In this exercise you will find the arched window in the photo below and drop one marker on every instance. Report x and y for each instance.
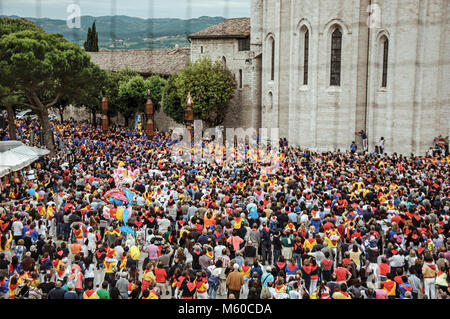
(270, 101)
(306, 58)
(385, 46)
(240, 79)
(272, 58)
(336, 54)
(303, 55)
(224, 62)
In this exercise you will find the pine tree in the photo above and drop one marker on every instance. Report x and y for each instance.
(94, 35)
(87, 43)
(91, 43)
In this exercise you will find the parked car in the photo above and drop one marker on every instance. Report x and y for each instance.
(24, 114)
(52, 117)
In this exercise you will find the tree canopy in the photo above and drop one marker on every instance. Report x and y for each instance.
(127, 91)
(91, 43)
(43, 66)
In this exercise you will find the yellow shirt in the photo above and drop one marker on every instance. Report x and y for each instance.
(355, 257)
(183, 231)
(309, 245)
(109, 265)
(93, 296)
(330, 242)
(149, 276)
(152, 295)
(340, 295)
(7, 245)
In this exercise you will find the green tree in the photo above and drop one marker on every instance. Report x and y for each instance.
(212, 87)
(41, 65)
(9, 101)
(91, 43)
(91, 96)
(88, 43)
(111, 86)
(11, 25)
(132, 93)
(171, 102)
(156, 84)
(94, 38)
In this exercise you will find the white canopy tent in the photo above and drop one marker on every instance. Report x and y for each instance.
(3, 171)
(15, 155)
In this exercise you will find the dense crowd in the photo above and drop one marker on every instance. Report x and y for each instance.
(338, 225)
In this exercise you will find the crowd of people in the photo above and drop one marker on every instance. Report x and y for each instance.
(332, 225)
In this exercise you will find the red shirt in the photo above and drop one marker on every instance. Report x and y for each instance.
(341, 230)
(341, 274)
(160, 275)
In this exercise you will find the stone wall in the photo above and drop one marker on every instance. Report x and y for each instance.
(409, 112)
(414, 108)
(243, 108)
(162, 122)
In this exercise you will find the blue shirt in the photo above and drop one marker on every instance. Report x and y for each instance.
(266, 278)
(293, 217)
(71, 295)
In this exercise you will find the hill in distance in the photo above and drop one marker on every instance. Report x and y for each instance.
(124, 32)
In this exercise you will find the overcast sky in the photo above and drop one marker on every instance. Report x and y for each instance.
(184, 9)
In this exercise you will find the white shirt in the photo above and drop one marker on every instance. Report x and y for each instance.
(304, 219)
(188, 256)
(91, 241)
(218, 251)
(215, 271)
(163, 225)
(17, 227)
(42, 230)
(397, 261)
(294, 294)
(90, 271)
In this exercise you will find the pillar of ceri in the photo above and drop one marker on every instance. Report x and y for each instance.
(189, 116)
(105, 124)
(149, 113)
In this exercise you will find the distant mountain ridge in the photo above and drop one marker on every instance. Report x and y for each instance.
(124, 32)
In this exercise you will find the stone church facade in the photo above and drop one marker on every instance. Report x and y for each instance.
(322, 70)
(333, 67)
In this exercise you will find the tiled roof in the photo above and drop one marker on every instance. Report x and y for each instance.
(144, 61)
(231, 28)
